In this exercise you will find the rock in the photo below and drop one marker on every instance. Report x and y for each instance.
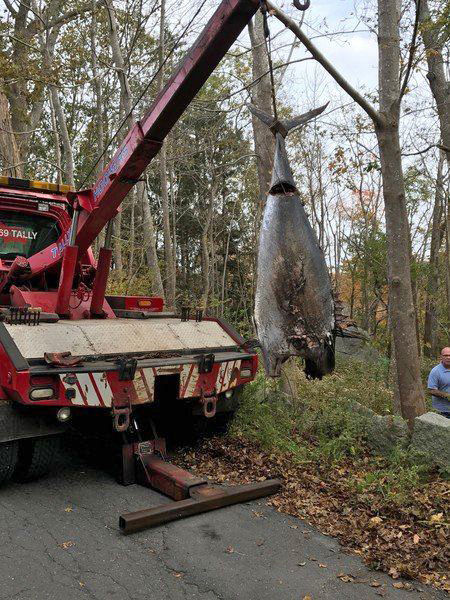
(387, 432)
(431, 437)
(384, 433)
(356, 347)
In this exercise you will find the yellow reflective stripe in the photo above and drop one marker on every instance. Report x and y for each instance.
(4, 180)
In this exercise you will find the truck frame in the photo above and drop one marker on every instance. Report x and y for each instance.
(68, 348)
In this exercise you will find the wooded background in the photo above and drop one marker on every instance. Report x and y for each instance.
(373, 171)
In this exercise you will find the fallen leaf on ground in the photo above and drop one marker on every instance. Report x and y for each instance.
(398, 585)
(416, 539)
(66, 545)
(375, 584)
(302, 564)
(437, 518)
(342, 509)
(394, 573)
(229, 550)
(68, 509)
(322, 566)
(346, 577)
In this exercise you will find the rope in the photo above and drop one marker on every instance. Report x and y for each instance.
(124, 120)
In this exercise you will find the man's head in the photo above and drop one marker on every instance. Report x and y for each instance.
(445, 357)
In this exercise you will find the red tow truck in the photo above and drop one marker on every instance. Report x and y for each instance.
(67, 348)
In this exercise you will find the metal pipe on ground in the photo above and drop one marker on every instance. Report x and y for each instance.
(204, 498)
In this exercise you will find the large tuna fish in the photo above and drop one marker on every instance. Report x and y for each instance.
(294, 307)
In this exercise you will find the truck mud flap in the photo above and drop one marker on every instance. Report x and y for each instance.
(17, 425)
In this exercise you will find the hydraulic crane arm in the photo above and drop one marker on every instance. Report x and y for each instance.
(145, 138)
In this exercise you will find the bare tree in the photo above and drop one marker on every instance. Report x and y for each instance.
(9, 152)
(434, 40)
(169, 264)
(386, 124)
(34, 31)
(66, 143)
(263, 138)
(430, 339)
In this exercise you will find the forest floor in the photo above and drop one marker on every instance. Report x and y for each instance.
(392, 511)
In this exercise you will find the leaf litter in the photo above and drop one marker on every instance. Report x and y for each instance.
(409, 540)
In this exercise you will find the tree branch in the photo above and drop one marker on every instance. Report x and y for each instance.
(320, 58)
(440, 146)
(72, 14)
(26, 162)
(412, 50)
(10, 7)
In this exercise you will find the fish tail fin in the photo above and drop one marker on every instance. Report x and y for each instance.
(283, 127)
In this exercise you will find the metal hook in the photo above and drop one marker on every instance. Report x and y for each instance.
(300, 6)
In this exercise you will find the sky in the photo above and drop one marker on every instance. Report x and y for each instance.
(354, 54)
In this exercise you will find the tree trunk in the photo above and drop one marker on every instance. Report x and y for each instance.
(264, 140)
(430, 337)
(432, 36)
(205, 250)
(169, 265)
(150, 247)
(401, 305)
(98, 115)
(117, 245)
(9, 151)
(126, 103)
(67, 146)
(23, 118)
(447, 259)
(56, 141)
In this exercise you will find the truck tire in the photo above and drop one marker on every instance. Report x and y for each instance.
(36, 458)
(9, 453)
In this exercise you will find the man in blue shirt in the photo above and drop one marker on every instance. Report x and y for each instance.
(439, 384)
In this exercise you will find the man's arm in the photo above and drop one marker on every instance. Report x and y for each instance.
(434, 384)
(438, 393)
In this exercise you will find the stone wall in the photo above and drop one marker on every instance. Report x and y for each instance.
(430, 438)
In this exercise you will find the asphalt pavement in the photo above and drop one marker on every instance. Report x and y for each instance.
(60, 540)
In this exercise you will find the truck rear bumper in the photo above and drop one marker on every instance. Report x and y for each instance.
(96, 384)
(121, 362)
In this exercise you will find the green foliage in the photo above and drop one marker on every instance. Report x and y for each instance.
(321, 426)
(320, 422)
(395, 478)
